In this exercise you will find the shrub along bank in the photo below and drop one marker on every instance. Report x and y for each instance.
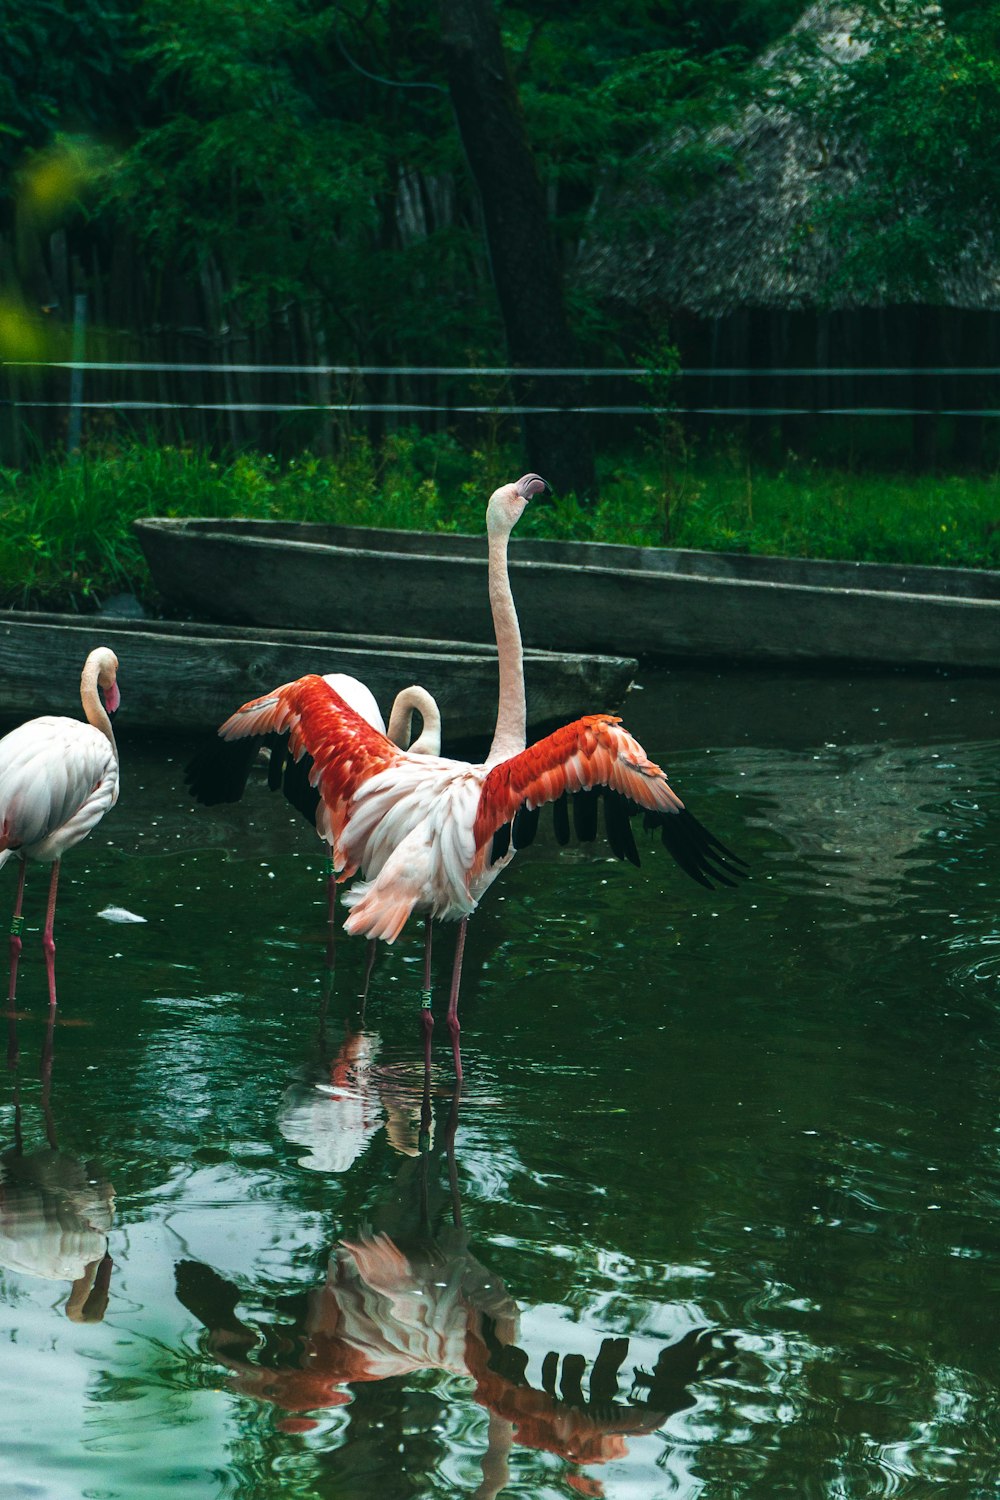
(66, 539)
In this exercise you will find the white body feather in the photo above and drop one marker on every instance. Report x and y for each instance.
(357, 695)
(411, 834)
(58, 777)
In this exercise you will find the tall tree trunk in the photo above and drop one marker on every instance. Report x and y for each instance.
(519, 238)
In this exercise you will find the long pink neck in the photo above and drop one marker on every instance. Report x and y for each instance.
(509, 737)
(93, 708)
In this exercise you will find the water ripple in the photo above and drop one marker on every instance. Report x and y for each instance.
(865, 823)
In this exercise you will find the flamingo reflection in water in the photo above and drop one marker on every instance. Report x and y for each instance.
(409, 1295)
(336, 1116)
(55, 1210)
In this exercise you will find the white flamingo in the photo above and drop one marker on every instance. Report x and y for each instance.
(58, 777)
(429, 834)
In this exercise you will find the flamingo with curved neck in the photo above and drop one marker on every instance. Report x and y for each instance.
(407, 702)
(58, 778)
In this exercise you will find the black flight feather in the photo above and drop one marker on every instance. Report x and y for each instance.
(501, 843)
(619, 828)
(585, 815)
(295, 782)
(698, 852)
(278, 752)
(525, 826)
(218, 770)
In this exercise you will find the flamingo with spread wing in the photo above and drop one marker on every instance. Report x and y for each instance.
(429, 834)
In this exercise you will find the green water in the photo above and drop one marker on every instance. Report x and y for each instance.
(716, 1214)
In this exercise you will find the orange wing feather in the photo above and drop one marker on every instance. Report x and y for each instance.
(598, 753)
(345, 749)
(593, 751)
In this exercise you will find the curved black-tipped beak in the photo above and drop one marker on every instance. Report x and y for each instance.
(530, 485)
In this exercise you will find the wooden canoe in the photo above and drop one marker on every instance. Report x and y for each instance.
(579, 596)
(183, 676)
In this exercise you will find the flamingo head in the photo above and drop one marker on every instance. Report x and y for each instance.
(107, 677)
(507, 504)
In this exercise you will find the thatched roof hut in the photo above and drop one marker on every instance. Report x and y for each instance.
(752, 240)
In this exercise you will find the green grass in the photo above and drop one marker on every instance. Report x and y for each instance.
(66, 537)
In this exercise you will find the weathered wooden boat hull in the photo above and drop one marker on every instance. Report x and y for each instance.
(581, 596)
(190, 676)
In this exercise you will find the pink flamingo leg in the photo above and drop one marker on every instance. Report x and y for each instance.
(369, 965)
(426, 1014)
(16, 927)
(88, 1300)
(331, 911)
(454, 1025)
(48, 941)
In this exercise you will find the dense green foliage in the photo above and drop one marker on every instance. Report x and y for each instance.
(66, 530)
(308, 151)
(310, 148)
(917, 104)
(65, 66)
